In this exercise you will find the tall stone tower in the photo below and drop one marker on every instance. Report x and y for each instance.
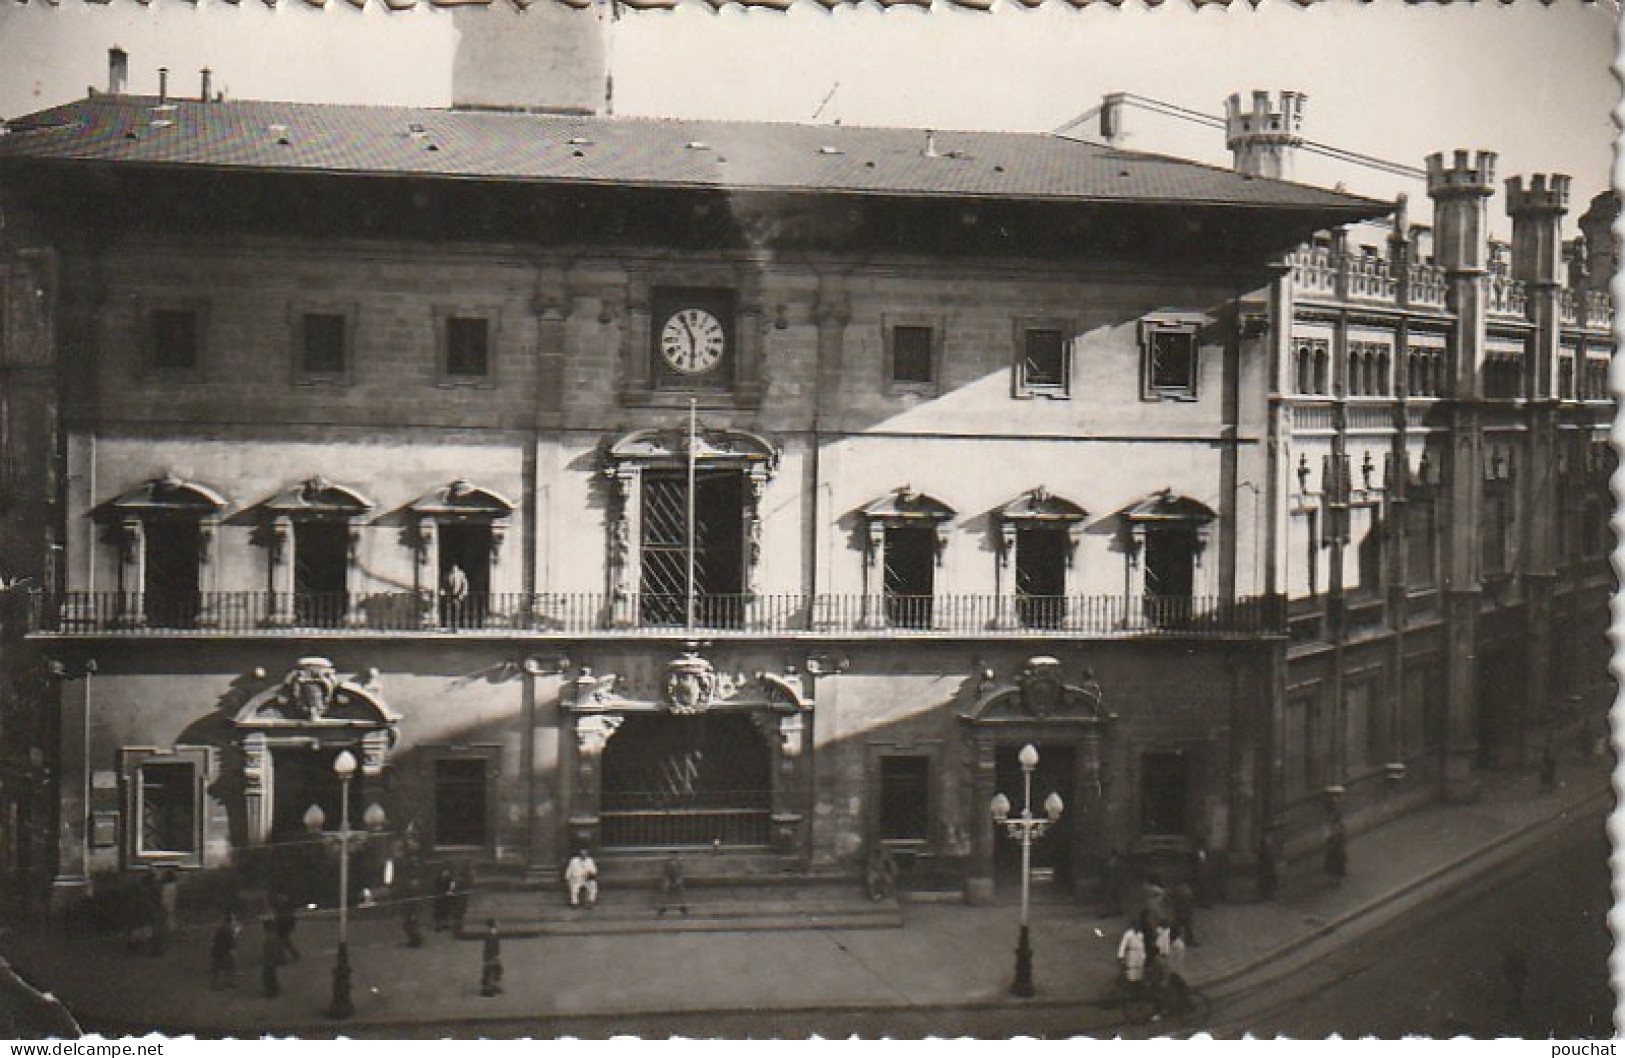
(1264, 140)
(542, 57)
(1460, 191)
(1537, 212)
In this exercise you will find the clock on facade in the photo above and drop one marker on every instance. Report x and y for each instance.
(693, 341)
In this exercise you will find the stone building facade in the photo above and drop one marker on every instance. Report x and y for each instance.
(643, 484)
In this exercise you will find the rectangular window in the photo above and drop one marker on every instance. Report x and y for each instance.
(167, 807)
(173, 334)
(1170, 362)
(323, 345)
(905, 798)
(1043, 361)
(460, 816)
(912, 356)
(467, 347)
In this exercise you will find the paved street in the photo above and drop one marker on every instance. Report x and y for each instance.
(946, 971)
(1438, 968)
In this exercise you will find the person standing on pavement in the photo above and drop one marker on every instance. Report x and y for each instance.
(491, 961)
(445, 888)
(1337, 862)
(223, 951)
(462, 892)
(1269, 875)
(272, 955)
(1548, 769)
(673, 892)
(169, 898)
(286, 918)
(1182, 898)
(1131, 955)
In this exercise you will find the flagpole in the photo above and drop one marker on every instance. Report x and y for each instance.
(688, 525)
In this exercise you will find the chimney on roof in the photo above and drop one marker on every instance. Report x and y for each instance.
(118, 70)
(163, 84)
(204, 90)
(1111, 117)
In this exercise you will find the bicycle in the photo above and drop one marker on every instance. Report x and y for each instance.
(1132, 1000)
(1177, 1002)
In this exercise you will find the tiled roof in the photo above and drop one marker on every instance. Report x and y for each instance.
(546, 148)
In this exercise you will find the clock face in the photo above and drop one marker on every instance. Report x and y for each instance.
(692, 341)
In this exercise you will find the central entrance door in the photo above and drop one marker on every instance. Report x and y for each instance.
(673, 781)
(718, 544)
(1052, 853)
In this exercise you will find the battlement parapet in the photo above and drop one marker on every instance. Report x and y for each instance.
(1468, 174)
(1272, 118)
(1544, 194)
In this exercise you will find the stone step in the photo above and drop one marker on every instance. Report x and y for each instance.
(710, 908)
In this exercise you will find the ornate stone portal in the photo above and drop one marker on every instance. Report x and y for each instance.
(312, 706)
(1038, 705)
(597, 706)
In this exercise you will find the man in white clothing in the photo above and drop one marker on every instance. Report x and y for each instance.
(581, 879)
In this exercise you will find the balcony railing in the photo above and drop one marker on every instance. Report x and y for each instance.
(566, 613)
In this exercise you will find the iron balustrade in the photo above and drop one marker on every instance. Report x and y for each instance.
(532, 613)
(664, 818)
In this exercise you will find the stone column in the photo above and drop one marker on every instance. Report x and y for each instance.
(284, 555)
(979, 872)
(429, 569)
(132, 538)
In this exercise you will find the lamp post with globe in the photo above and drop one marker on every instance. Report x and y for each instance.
(344, 766)
(1025, 828)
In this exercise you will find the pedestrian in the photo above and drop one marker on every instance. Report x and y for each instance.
(1548, 769)
(1337, 863)
(1112, 881)
(1154, 899)
(223, 951)
(491, 961)
(462, 892)
(169, 899)
(456, 595)
(445, 886)
(410, 924)
(285, 915)
(1131, 956)
(581, 880)
(1183, 901)
(272, 955)
(1202, 877)
(673, 894)
(1171, 959)
(1269, 876)
(145, 914)
(880, 877)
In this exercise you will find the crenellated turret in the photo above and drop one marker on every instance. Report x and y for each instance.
(1264, 139)
(1458, 192)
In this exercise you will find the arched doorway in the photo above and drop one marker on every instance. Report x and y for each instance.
(672, 780)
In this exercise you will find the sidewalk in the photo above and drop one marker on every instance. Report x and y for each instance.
(948, 955)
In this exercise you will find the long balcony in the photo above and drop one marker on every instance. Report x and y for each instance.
(122, 614)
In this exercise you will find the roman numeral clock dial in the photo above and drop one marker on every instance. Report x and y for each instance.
(692, 341)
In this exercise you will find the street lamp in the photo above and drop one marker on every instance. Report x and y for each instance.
(1025, 829)
(344, 766)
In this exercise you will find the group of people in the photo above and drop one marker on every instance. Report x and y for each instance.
(1151, 953)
